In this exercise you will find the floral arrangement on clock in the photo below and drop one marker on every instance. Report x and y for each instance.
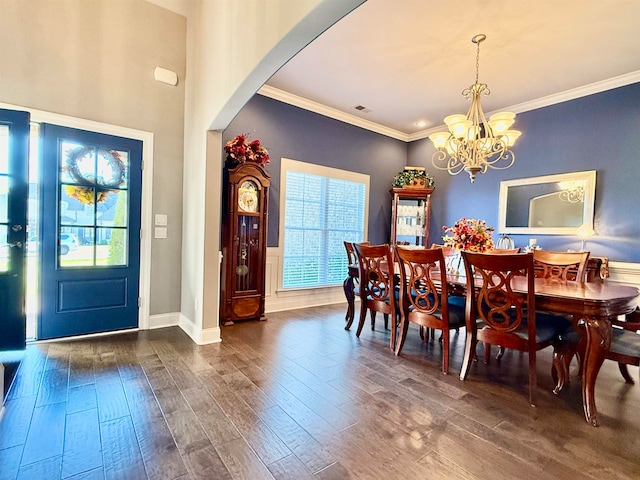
(240, 150)
(469, 234)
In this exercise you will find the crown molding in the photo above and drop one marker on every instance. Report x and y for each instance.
(578, 92)
(318, 108)
(591, 89)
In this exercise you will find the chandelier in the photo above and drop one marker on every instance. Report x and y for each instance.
(474, 143)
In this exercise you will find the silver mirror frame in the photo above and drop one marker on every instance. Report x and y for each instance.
(588, 176)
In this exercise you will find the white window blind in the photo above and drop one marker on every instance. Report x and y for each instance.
(321, 211)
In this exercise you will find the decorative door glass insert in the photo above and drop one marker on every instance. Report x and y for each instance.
(93, 206)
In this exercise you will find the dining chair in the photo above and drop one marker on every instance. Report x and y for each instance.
(497, 315)
(560, 265)
(504, 251)
(350, 284)
(422, 301)
(377, 286)
(625, 343)
(352, 259)
(498, 251)
(564, 266)
(450, 256)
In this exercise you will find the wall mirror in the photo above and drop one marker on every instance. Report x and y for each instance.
(552, 204)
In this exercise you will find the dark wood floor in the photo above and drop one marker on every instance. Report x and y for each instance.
(299, 397)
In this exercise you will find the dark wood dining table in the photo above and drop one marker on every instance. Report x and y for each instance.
(592, 303)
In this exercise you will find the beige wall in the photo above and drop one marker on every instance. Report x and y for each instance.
(95, 60)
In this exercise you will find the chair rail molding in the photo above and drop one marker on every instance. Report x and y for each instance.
(624, 272)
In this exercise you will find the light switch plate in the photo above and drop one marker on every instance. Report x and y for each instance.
(160, 232)
(161, 219)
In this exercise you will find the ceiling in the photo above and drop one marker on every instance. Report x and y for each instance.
(409, 60)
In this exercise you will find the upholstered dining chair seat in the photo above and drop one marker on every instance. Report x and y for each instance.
(456, 308)
(624, 342)
(548, 327)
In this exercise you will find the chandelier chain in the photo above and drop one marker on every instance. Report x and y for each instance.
(477, 61)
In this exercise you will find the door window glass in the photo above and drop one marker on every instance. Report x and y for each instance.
(93, 195)
(4, 197)
(4, 249)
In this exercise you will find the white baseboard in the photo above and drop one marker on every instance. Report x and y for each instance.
(164, 320)
(197, 334)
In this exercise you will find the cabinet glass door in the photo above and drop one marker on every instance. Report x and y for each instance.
(410, 222)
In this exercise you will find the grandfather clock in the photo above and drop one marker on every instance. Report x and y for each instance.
(244, 242)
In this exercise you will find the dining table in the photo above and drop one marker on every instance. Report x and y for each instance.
(590, 305)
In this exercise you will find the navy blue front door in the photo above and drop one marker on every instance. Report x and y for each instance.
(90, 232)
(14, 155)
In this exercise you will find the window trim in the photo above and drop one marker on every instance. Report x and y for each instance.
(287, 165)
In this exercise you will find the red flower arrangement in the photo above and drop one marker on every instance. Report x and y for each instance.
(469, 234)
(240, 150)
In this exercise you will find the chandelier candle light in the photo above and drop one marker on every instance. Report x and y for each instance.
(474, 143)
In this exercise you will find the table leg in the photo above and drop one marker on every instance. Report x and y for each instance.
(598, 331)
(348, 286)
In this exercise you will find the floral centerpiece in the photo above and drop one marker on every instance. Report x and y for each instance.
(413, 177)
(241, 150)
(469, 234)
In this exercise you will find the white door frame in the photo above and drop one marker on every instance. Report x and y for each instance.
(146, 223)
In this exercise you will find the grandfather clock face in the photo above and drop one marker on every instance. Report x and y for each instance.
(248, 197)
(248, 236)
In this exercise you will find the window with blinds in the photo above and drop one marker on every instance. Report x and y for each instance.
(323, 207)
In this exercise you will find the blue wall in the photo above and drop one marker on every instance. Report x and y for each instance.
(600, 132)
(298, 134)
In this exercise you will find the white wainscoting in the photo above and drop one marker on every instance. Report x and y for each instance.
(624, 273)
(278, 300)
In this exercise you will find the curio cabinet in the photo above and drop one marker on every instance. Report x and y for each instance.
(410, 216)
